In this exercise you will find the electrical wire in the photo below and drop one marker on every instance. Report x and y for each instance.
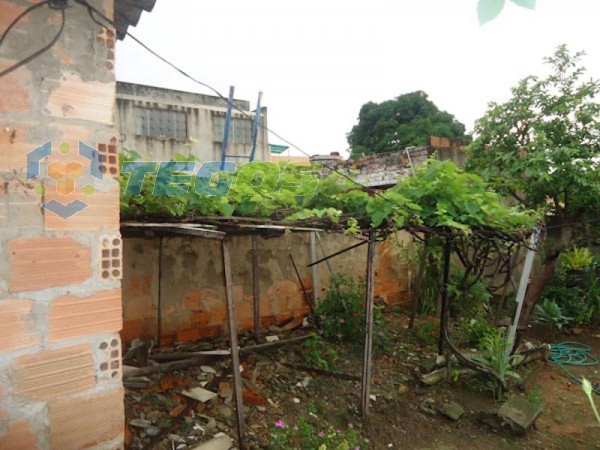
(38, 52)
(19, 17)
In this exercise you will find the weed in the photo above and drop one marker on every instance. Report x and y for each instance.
(318, 353)
(535, 396)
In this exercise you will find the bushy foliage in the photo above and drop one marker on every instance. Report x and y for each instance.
(407, 120)
(571, 298)
(440, 194)
(341, 314)
(542, 146)
(549, 313)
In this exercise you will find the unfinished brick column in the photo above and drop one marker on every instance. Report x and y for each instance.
(60, 296)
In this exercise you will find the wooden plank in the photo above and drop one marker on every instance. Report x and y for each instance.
(368, 351)
(326, 258)
(444, 296)
(179, 229)
(235, 356)
(255, 287)
(306, 296)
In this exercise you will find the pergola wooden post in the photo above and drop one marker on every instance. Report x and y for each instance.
(368, 351)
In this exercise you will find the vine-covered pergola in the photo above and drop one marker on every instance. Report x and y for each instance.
(440, 206)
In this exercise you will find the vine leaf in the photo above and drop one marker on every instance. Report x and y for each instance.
(489, 9)
(529, 4)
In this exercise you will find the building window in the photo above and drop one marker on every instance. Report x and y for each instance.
(240, 130)
(161, 123)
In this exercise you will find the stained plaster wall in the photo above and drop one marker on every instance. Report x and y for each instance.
(192, 284)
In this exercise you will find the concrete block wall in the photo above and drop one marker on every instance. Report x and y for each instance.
(192, 294)
(60, 306)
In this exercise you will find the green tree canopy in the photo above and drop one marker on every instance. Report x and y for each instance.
(542, 146)
(402, 122)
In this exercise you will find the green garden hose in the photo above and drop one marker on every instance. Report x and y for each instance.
(572, 353)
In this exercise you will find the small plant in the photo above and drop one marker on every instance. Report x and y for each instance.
(535, 396)
(318, 353)
(342, 314)
(579, 258)
(309, 435)
(549, 313)
(495, 345)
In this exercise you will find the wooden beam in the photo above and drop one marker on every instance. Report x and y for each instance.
(255, 286)
(368, 351)
(235, 356)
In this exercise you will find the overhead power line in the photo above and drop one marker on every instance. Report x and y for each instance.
(42, 50)
(93, 12)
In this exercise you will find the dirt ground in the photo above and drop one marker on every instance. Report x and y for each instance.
(278, 389)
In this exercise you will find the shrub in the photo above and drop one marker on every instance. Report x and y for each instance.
(342, 314)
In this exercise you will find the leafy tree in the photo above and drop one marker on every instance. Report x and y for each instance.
(542, 149)
(404, 121)
(541, 146)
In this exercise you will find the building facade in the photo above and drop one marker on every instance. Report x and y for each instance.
(159, 123)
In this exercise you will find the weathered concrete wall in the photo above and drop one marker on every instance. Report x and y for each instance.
(201, 111)
(384, 169)
(60, 309)
(192, 285)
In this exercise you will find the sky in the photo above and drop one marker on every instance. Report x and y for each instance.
(318, 61)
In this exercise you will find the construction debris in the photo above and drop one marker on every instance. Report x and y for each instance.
(199, 394)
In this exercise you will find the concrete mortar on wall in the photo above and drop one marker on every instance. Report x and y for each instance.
(49, 267)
